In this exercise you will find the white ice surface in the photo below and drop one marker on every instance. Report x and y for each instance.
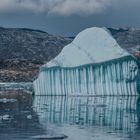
(93, 45)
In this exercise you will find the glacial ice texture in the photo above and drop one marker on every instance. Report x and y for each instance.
(93, 45)
(115, 77)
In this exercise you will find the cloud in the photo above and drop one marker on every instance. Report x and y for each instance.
(68, 7)
(61, 7)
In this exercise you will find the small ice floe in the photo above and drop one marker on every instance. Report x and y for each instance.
(50, 137)
(101, 105)
(5, 117)
(95, 105)
(5, 100)
(29, 117)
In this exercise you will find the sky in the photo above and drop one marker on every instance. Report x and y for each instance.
(68, 17)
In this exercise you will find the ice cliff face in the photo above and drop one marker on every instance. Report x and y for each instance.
(93, 45)
(93, 64)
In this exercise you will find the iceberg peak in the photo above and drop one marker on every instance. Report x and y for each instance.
(93, 45)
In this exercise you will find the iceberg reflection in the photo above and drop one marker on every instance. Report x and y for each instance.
(117, 113)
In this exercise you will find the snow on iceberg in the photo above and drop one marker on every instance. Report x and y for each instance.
(93, 64)
(92, 45)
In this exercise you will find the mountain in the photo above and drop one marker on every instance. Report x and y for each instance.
(28, 44)
(23, 51)
(128, 38)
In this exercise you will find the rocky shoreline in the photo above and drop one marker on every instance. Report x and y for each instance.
(19, 71)
(23, 51)
(25, 86)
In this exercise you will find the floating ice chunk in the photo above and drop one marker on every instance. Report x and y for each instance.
(50, 137)
(29, 117)
(5, 117)
(93, 64)
(5, 100)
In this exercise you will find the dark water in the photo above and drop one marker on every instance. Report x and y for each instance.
(23, 117)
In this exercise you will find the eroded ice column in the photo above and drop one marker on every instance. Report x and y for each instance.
(112, 78)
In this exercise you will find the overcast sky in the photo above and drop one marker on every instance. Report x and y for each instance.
(68, 17)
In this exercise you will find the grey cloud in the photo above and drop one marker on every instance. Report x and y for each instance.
(60, 7)
(64, 7)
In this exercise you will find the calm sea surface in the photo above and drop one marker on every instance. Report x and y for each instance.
(23, 117)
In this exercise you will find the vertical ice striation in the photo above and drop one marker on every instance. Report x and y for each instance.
(118, 77)
(93, 64)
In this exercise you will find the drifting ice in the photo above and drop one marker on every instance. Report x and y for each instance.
(93, 64)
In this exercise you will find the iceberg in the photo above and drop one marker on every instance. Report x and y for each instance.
(93, 64)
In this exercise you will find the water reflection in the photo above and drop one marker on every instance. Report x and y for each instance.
(136, 134)
(23, 117)
(17, 119)
(119, 116)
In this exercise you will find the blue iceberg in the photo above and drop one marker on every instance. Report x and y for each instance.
(93, 64)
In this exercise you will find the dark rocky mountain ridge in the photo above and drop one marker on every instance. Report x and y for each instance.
(28, 44)
(23, 51)
(129, 39)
